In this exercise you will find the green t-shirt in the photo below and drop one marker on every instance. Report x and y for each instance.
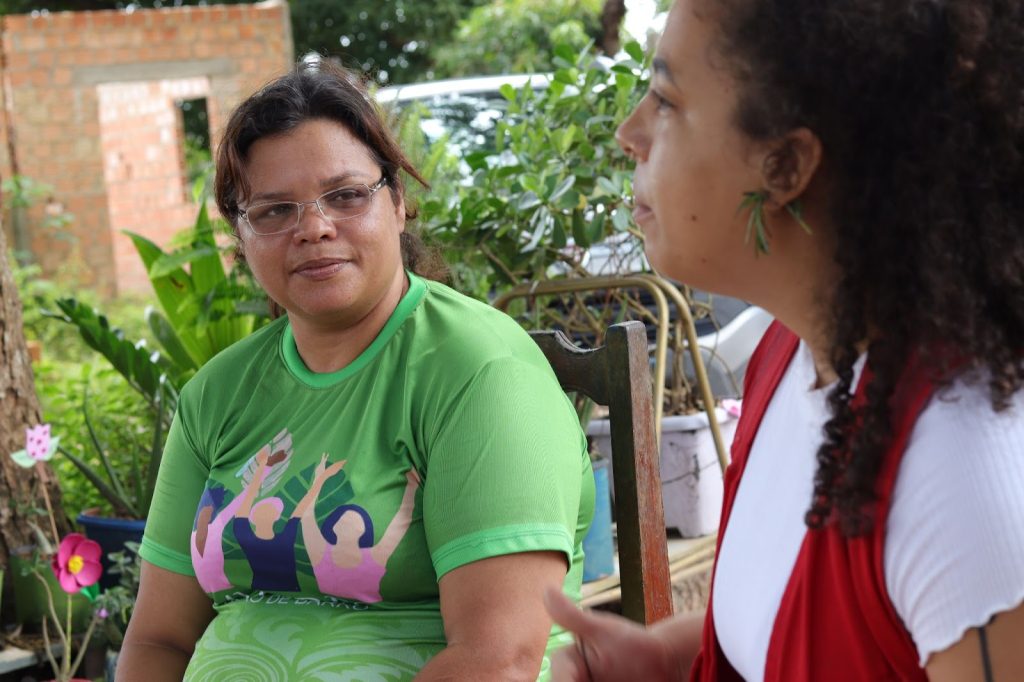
(457, 445)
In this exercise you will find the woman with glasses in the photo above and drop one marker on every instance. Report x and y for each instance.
(855, 167)
(412, 477)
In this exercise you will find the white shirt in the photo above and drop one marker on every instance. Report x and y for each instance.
(954, 548)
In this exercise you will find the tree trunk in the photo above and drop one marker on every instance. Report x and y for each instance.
(20, 492)
(611, 20)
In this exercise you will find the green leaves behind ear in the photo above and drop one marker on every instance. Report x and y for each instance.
(796, 209)
(754, 202)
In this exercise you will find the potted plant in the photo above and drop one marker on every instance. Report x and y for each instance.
(118, 602)
(550, 205)
(204, 309)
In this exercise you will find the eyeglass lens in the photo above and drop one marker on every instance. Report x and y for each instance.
(337, 205)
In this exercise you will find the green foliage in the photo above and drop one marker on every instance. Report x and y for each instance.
(36, 294)
(119, 601)
(557, 184)
(128, 489)
(203, 313)
(518, 36)
(392, 39)
(120, 421)
(204, 309)
(67, 373)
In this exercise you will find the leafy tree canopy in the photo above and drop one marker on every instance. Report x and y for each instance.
(393, 39)
(516, 36)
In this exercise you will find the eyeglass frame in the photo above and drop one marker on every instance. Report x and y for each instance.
(374, 188)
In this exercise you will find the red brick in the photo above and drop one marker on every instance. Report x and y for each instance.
(103, 18)
(31, 41)
(15, 22)
(62, 77)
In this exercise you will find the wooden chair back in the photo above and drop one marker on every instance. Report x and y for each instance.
(617, 375)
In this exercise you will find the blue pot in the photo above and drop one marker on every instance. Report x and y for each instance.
(111, 534)
(598, 548)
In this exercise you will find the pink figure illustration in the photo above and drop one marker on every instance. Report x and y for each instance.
(207, 539)
(345, 561)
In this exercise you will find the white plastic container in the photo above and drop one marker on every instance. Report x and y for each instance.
(691, 478)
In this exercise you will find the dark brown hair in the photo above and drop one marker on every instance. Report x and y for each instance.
(318, 90)
(919, 105)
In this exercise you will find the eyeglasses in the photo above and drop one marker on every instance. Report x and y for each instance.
(344, 203)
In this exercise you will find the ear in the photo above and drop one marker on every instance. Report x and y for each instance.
(789, 166)
(400, 211)
(238, 243)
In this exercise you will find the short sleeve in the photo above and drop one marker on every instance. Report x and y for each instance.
(179, 486)
(506, 469)
(954, 552)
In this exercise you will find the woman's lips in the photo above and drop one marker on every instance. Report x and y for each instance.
(320, 269)
(642, 212)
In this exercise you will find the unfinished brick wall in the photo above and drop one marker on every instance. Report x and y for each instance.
(91, 111)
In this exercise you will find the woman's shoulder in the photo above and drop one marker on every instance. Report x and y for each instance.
(451, 322)
(954, 552)
(253, 350)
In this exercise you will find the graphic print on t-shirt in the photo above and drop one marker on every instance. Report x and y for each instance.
(338, 551)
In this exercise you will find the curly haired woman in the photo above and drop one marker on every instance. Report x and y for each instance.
(856, 167)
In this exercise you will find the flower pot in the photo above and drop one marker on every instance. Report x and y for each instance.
(598, 548)
(30, 605)
(111, 664)
(111, 534)
(691, 477)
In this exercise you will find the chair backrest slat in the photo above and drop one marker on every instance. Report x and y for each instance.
(617, 375)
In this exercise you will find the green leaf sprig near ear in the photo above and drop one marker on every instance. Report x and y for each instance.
(796, 209)
(754, 202)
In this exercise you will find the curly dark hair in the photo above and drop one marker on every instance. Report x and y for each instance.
(318, 90)
(919, 106)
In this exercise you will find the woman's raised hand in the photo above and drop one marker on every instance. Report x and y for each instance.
(323, 472)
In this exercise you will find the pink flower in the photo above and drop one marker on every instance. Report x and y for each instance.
(39, 447)
(732, 407)
(37, 441)
(77, 563)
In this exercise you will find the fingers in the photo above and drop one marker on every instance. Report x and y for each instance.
(564, 612)
(567, 665)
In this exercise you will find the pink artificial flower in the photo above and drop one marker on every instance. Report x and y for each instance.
(733, 407)
(77, 563)
(37, 442)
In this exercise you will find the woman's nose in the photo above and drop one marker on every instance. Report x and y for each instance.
(629, 136)
(313, 224)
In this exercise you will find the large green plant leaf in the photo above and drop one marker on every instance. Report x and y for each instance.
(142, 369)
(175, 291)
(199, 299)
(165, 334)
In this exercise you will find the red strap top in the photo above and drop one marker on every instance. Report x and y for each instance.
(836, 621)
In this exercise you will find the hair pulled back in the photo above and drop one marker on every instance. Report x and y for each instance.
(318, 90)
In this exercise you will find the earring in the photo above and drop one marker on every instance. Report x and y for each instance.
(754, 202)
